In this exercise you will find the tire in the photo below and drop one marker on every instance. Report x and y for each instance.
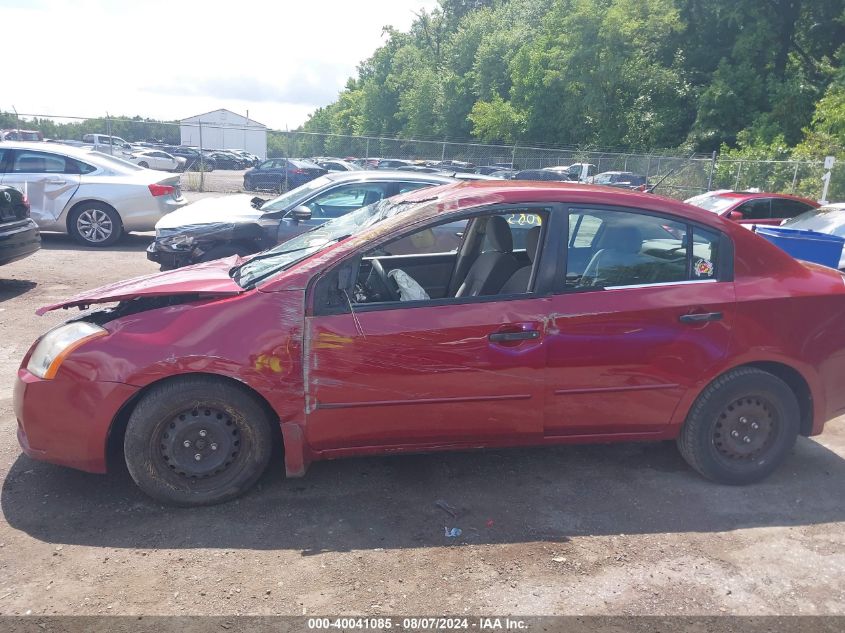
(197, 415)
(95, 224)
(225, 250)
(741, 427)
(144, 164)
(248, 185)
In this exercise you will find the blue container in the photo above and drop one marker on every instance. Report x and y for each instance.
(810, 246)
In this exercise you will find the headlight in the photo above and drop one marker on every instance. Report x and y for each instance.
(181, 240)
(56, 344)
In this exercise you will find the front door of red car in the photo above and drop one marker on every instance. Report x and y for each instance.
(641, 322)
(426, 373)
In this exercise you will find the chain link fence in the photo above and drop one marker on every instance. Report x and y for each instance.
(679, 175)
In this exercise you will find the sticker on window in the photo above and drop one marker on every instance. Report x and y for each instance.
(703, 268)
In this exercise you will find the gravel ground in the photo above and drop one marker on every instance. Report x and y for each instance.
(621, 529)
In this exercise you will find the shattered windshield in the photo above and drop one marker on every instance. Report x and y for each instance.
(284, 255)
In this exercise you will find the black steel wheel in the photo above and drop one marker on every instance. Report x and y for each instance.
(197, 441)
(741, 427)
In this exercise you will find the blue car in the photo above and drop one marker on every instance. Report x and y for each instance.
(281, 174)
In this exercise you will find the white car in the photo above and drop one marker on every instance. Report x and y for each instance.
(94, 197)
(156, 159)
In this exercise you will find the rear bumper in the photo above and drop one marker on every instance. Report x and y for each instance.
(138, 217)
(18, 240)
(67, 422)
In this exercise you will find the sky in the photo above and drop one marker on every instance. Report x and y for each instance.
(174, 59)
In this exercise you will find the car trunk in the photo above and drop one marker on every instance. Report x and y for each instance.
(12, 210)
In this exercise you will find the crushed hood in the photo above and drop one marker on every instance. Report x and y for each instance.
(210, 279)
(211, 210)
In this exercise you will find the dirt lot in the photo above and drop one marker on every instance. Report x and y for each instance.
(624, 529)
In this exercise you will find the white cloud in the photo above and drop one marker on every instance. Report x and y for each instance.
(176, 58)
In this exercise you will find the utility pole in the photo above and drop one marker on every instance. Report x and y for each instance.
(202, 161)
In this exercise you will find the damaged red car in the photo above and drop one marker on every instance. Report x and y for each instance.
(466, 316)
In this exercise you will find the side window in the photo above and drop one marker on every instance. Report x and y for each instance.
(783, 208)
(705, 254)
(267, 164)
(3, 154)
(759, 209)
(628, 249)
(342, 200)
(442, 238)
(475, 257)
(521, 223)
(27, 162)
(82, 168)
(405, 187)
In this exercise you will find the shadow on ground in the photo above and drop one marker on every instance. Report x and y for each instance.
(11, 288)
(129, 243)
(520, 495)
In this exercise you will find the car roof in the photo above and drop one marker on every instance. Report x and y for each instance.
(474, 193)
(389, 175)
(750, 195)
(55, 148)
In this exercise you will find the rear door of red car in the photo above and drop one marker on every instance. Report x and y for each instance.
(439, 373)
(638, 324)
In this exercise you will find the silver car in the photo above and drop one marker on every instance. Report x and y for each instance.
(156, 159)
(94, 197)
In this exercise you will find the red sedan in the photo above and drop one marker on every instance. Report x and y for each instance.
(753, 208)
(622, 316)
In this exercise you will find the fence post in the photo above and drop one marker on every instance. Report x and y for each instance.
(648, 168)
(712, 168)
(287, 163)
(795, 177)
(108, 131)
(202, 162)
(625, 168)
(513, 157)
(443, 153)
(738, 171)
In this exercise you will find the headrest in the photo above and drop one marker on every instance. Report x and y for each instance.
(622, 238)
(499, 234)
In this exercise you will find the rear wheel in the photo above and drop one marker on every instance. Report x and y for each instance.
(197, 441)
(143, 164)
(741, 428)
(95, 224)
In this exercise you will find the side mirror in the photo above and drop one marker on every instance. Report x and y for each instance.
(300, 213)
(735, 215)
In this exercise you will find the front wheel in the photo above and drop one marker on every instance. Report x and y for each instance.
(197, 441)
(95, 224)
(741, 428)
(143, 164)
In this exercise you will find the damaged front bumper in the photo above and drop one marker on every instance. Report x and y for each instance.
(169, 258)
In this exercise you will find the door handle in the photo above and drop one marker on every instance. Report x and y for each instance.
(55, 181)
(503, 337)
(700, 317)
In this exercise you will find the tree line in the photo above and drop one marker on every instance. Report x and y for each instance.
(741, 76)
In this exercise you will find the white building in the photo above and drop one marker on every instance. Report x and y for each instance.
(224, 129)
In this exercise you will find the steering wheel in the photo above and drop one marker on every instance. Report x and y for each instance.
(386, 282)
